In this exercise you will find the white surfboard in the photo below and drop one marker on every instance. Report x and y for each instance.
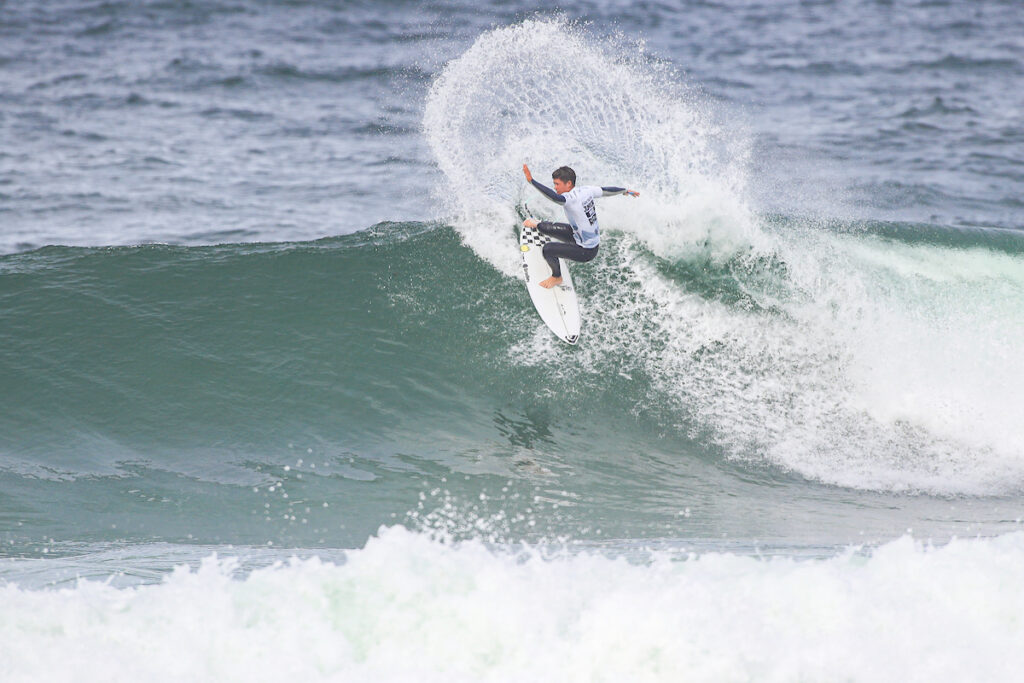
(558, 306)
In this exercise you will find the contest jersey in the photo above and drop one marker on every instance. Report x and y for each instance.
(580, 210)
(582, 214)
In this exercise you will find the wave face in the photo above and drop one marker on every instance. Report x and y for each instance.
(736, 366)
(311, 391)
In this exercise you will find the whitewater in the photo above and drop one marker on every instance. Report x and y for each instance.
(274, 402)
(850, 358)
(407, 607)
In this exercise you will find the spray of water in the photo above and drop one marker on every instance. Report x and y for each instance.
(847, 358)
(547, 94)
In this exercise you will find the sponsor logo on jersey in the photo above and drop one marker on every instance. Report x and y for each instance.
(588, 208)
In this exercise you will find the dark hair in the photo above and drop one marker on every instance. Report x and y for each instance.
(565, 174)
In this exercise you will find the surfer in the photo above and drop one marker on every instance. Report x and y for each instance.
(580, 237)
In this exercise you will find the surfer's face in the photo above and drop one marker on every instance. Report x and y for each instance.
(562, 186)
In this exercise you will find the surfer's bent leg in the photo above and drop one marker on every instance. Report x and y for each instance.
(555, 250)
(562, 231)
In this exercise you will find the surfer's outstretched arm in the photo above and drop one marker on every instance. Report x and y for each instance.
(548, 192)
(544, 189)
(609, 191)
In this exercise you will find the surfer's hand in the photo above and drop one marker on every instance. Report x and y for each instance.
(530, 223)
(632, 193)
(526, 172)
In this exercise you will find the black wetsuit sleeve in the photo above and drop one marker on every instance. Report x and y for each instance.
(608, 191)
(548, 192)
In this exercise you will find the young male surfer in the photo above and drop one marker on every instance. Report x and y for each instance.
(580, 235)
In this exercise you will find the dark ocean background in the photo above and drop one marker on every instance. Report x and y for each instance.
(274, 401)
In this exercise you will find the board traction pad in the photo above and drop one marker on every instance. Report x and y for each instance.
(535, 237)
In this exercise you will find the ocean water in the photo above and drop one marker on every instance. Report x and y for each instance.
(273, 402)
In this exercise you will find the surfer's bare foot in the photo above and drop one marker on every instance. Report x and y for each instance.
(550, 282)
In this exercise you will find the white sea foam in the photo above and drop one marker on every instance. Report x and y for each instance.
(871, 364)
(407, 607)
(850, 359)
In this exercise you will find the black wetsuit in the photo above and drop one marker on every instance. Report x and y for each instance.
(567, 248)
(580, 236)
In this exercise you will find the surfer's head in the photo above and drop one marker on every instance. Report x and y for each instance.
(564, 179)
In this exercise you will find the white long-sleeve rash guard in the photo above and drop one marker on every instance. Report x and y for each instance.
(580, 210)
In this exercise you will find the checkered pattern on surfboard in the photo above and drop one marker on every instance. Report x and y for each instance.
(534, 238)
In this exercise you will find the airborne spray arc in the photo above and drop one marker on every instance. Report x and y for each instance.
(546, 93)
(849, 359)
